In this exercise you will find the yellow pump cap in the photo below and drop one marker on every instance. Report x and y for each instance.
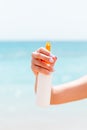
(48, 46)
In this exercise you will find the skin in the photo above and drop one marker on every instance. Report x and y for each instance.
(43, 61)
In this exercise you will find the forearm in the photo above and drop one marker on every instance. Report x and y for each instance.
(69, 92)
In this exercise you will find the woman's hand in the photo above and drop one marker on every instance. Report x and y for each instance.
(42, 61)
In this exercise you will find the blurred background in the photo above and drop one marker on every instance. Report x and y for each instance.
(24, 27)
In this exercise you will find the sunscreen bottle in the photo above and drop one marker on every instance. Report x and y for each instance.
(44, 86)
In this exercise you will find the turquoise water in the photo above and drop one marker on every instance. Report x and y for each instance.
(18, 109)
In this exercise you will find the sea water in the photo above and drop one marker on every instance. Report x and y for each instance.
(18, 109)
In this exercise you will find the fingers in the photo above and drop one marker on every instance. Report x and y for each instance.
(40, 69)
(43, 57)
(43, 51)
(42, 65)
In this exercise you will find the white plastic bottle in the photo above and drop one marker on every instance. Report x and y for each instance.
(44, 87)
(43, 90)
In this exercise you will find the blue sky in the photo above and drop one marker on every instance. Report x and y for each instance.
(48, 19)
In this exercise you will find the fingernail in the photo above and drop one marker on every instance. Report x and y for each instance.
(52, 55)
(51, 60)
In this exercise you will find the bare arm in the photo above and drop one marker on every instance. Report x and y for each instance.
(68, 92)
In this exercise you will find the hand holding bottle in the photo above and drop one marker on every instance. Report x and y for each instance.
(40, 58)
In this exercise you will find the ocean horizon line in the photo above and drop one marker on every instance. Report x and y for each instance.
(41, 40)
